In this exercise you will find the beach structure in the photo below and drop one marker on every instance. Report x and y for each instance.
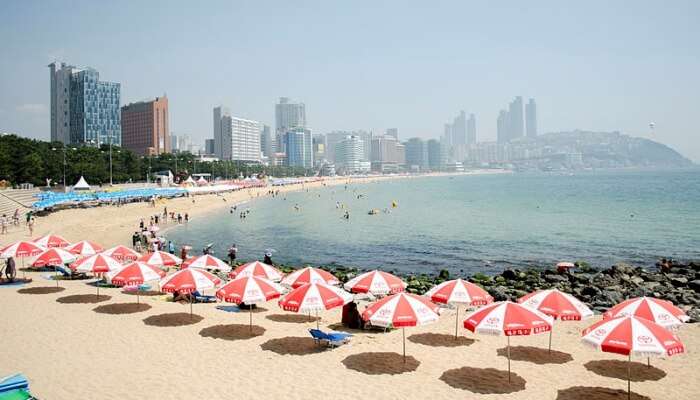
(96, 265)
(257, 269)
(314, 297)
(51, 240)
(160, 259)
(122, 253)
(401, 310)
(208, 262)
(662, 312)
(188, 281)
(509, 319)
(54, 257)
(133, 275)
(21, 250)
(558, 305)
(628, 335)
(308, 275)
(249, 290)
(85, 248)
(81, 184)
(375, 282)
(459, 292)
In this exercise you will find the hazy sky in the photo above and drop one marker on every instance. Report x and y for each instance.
(370, 65)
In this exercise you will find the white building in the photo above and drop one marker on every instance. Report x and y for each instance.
(240, 139)
(350, 157)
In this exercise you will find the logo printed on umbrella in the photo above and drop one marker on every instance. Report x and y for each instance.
(493, 320)
(663, 317)
(644, 339)
(599, 333)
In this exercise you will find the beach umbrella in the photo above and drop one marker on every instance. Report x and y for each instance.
(629, 335)
(258, 269)
(21, 250)
(556, 304)
(50, 241)
(97, 265)
(54, 257)
(160, 258)
(375, 282)
(401, 310)
(189, 280)
(134, 274)
(509, 319)
(249, 290)
(307, 275)
(662, 312)
(207, 261)
(122, 253)
(85, 248)
(314, 297)
(459, 292)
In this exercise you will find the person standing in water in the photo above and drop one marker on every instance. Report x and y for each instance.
(232, 254)
(268, 258)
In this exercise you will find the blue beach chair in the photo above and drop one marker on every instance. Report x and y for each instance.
(333, 339)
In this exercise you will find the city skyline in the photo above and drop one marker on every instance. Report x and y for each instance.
(614, 80)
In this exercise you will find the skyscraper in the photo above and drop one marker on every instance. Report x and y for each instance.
(240, 139)
(531, 118)
(416, 154)
(349, 155)
(502, 127)
(510, 124)
(393, 132)
(435, 155)
(208, 146)
(471, 129)
(145, 127)
(266, 142)
(319, 147)
(288, 115)
(459, 129)
(83, 108)
(299, 145)
(219, 113)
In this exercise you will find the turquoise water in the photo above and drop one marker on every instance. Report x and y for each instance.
(470, 223)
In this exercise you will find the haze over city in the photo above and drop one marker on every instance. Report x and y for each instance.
(594, 66)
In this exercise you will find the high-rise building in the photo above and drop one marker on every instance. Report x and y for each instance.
(240, 139)
(393, 132)
(209, 146)
(288, 115)
(83, 108)
(531, 118)
(319, 147)
(459, 129)
(299, 145)
(510, 123)
(349, 155)
(174, 143)
(471, 129)
(220, 112)
(145, 127)
(416, 154)
(266, 142)
(436, 156)
(502, 127)
(384, 154)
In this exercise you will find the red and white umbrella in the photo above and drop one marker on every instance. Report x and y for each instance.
(189, 280)
(401, 310)
(160, 258)
(50, 241)
(662, 312)
(21, 249)
(97, 264)
(375, 282)
(556, 304)
(249, 290)
(134, 274)
(85, 248)
(122, 253)
(509, 319)
(629, 335)
(459, 292)
(258, 269)
(207, 261)
(314, 297)
(309, 275)
(55, 256)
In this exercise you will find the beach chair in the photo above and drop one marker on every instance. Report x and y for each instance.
(333, 339)
(200, 298)
(15, 387)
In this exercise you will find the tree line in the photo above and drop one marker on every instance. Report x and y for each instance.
(24, 160)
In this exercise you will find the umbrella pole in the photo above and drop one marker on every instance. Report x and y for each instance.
(550, 340)
(250, 313)
(457, 322)
(98, 290)
(629, 375)
(648, 363)
(137, 295)
(508, 350)
(55, 271)
(316, 319)
(403, 333)
(190, 305)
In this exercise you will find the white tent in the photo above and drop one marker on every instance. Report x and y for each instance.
(202, 181)
(190, 181)
(81, 185)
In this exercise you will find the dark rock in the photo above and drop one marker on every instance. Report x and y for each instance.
(695, 285)
(679, 281)
(509, 274)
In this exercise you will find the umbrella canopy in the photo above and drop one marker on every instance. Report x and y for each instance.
(459, 291)
(160, 258)
(314, 297)
(249, 290)
(659, 311)
(207, 261)
(21, 249)
(134, 274)
(257, 269)
(122, 253)
(556, 304)
(85, 248)
(50, 240)
(189, 280)
(308, 275)
(376, 282)
(54, 257)
(96, 264)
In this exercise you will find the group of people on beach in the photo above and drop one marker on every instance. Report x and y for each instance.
(6, 221)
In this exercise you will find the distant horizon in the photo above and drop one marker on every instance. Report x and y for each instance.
(365, 67)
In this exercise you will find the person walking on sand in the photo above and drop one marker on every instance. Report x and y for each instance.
(187, 217)
(15, 218)
(3, 225)
(30, 225)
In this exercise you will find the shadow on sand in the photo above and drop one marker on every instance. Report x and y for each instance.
(144, 293)
(440, 340)
(121, 308)
(83, 299)
(483, 380)
(172, 319)
(535, 355)
(295, 346)
(41, 290)
(596, 393)
(291, 318)
(232, 332)
(618, 369)
(380, 363)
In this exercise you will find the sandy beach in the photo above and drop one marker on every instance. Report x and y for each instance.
(71, 347)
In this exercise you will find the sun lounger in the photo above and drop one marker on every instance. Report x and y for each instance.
(13, 382)
(200, 298)
(333, 339)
